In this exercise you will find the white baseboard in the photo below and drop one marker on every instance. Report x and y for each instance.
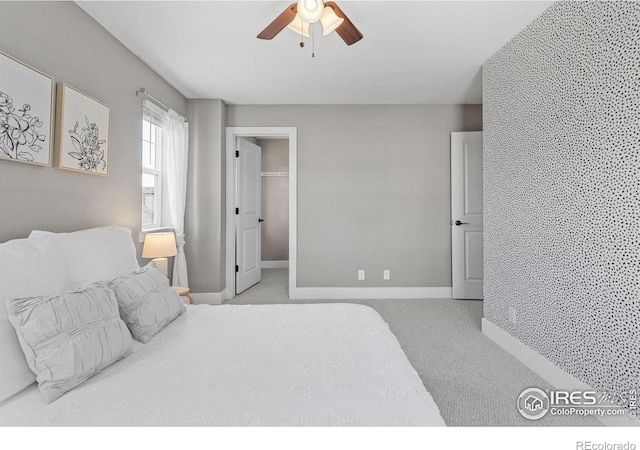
(208, 298)
(275, 264)
(551, 373)
(303, 293)
(228, 294)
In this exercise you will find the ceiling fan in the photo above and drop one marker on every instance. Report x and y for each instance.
(299, 15)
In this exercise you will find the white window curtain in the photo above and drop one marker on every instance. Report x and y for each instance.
(176, 157)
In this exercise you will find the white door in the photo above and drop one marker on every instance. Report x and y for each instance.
(248, 211)
(466, 215)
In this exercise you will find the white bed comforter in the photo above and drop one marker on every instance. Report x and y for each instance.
(332, 364)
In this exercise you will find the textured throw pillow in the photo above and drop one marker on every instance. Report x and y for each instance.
(146, 301)
(96, 254)
(69, 337)
(27, 268)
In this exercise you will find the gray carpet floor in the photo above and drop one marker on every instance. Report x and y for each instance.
(473, 381)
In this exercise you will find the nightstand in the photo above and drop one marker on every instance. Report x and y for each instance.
(183, 292)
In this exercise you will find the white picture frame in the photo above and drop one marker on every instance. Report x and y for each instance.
(82, 132)
(26, 112)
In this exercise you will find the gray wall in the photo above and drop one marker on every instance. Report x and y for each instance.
(61, 40)
(561, 186)
(205, 214)
(373, 189)
(275, 200)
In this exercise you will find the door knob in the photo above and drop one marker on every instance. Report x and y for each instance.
(260, 220)
(458, 223)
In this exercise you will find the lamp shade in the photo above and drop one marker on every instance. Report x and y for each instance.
(330, 20)
(299, 26)
(310, 10)
(159, 245)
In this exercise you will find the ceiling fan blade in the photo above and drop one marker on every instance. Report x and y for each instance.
(347, 31)
(280, 22)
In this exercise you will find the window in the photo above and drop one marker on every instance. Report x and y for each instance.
(154, 125)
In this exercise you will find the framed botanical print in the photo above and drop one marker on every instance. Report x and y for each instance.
(82, 132)
(26, 112)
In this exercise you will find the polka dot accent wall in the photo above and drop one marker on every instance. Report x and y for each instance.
(562, 190)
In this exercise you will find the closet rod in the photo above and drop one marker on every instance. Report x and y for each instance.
(275, 174)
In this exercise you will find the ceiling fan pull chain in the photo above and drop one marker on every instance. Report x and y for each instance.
(313, 40)
(301, 33)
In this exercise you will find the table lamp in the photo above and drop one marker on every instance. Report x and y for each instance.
(159, 246)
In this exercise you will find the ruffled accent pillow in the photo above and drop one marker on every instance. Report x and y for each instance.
(146, 301)
(68, 338)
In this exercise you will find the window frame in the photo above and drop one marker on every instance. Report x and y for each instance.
(158, 120)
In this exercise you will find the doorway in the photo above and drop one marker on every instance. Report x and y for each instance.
(275, 203)
(262, 210)
(267, 136)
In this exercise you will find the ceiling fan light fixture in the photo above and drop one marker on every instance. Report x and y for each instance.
(300, 15)
(330, 20)
(310, 10)
(299, 26)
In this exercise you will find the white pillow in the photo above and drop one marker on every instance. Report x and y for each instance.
(96, 254)
(28, 267)
(67, 338)
(146, 301)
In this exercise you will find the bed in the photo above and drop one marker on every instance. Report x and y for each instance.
(258, 365)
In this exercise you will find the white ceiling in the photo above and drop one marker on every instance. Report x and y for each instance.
(413, 52)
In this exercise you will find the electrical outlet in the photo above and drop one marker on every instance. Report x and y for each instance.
(361, 275)
(512, 315)
(386, 275)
